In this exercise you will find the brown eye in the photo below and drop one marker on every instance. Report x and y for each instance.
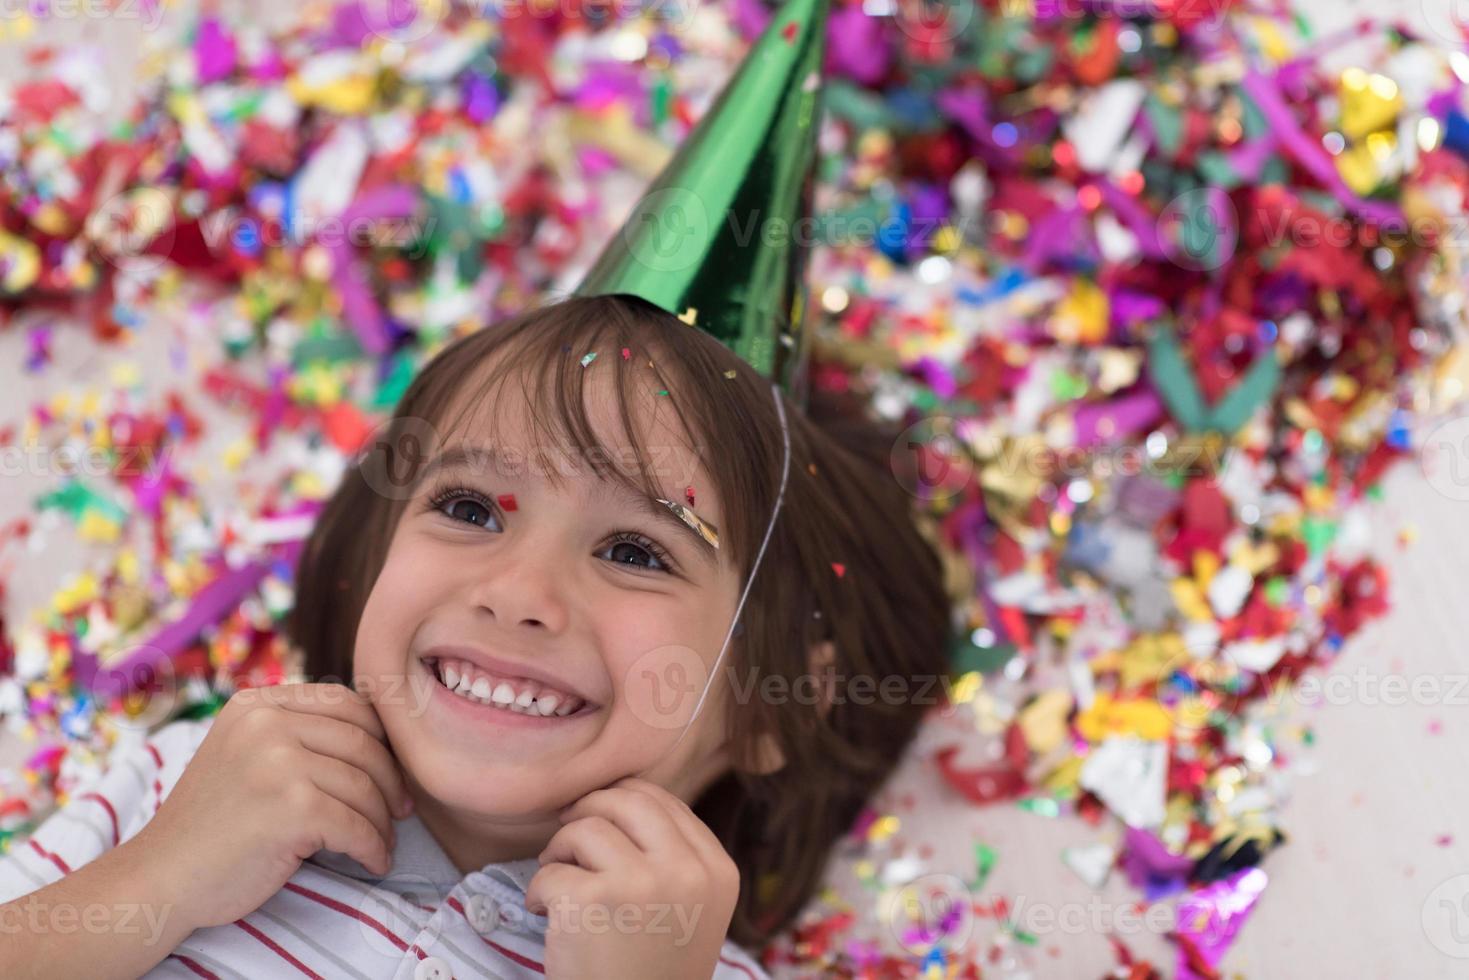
(464, 506)
(634, 549)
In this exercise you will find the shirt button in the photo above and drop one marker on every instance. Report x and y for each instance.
(432, 968)
(483, 913)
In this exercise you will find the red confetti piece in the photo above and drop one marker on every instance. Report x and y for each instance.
(506, 501)
(839, 568)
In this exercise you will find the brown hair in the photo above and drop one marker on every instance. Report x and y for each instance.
(885, 611)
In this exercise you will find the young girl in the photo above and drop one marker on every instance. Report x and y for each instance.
(518, 749)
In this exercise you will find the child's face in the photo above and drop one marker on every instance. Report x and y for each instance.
(563, 597)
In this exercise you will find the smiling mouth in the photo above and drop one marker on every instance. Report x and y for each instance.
(515, 694)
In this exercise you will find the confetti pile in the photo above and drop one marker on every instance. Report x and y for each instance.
(1160, 299)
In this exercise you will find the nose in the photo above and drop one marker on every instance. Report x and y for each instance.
(523, 583)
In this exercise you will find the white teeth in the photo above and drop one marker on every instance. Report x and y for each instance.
(502, 695)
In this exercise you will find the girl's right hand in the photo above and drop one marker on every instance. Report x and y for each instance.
(283, 772)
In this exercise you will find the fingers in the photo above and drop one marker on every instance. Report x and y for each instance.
(346, 741)
(644, 819)
(593, 843)
(327, 700)
(552, 881)
(344, 829)
(692, 829)
(354, 788)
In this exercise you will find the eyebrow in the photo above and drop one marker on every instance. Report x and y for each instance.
(479, 459)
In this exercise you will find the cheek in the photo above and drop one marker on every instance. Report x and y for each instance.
(397, 597)
(659, 663)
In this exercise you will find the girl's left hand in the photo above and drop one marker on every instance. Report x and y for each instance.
(634, 885)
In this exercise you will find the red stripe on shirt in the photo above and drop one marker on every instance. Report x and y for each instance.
(509, 954)
(738, 966)
(111, 813)
(157, 785)
(193, 966)
(49, 856)
(332, 903)
(275, 947)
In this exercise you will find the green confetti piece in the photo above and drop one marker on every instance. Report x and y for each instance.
(395, 383)
(330, 346)
(1216, 169)
(857, 106)
(589, 359)
(77, 499)
(661, 96)
(1167, 123)
(966, 656)
(1034, 63)
(1175, 381)
(1258, 384)
(984, 862)
(1252, 121)
(1277, 591)
(1318, 533)
(1042, 805)
(1066, 386)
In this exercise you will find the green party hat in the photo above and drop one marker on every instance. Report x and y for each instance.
(721, 236)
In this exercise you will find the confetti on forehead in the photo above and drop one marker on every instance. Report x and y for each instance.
(701, 527)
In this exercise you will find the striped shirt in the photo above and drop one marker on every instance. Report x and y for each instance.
(333, 919)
